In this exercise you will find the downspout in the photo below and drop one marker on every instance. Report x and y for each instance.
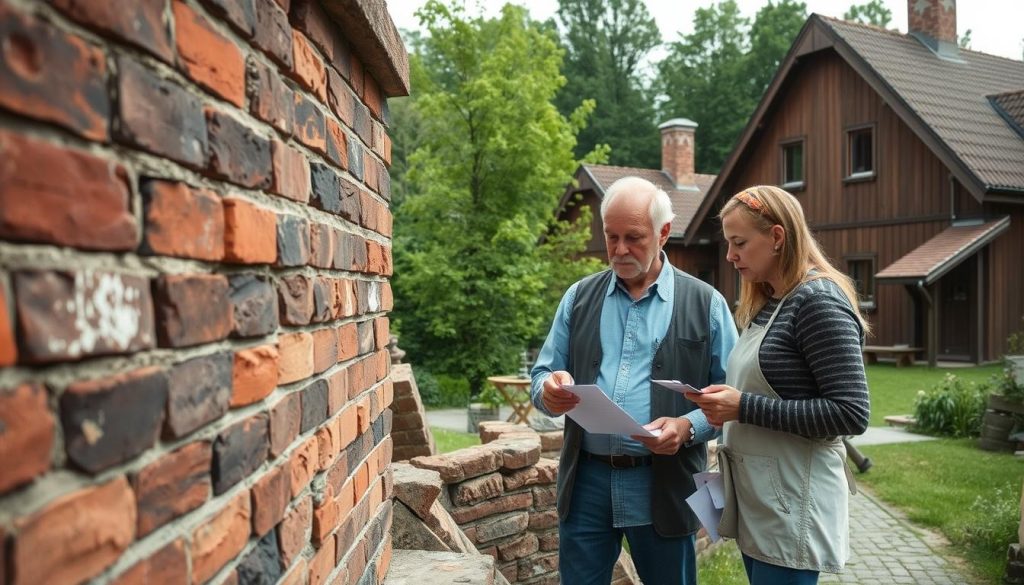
(952, 199)
(932, 342)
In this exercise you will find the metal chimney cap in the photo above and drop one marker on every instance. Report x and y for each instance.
(680, 122)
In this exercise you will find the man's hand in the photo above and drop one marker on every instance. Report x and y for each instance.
(556, 400)
(719, 402)
(674, 432)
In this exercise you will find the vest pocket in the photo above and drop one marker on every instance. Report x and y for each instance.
(758, 485)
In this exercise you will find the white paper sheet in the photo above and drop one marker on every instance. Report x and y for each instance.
(677, 386)
(704, 507)
(596, 413)
(716, 486)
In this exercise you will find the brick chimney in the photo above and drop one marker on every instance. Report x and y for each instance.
(933, 23)
(677, 149)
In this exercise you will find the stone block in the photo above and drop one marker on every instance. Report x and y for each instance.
(478, 489)
(497, 505)
(416, 488)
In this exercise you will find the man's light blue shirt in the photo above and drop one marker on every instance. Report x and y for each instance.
(631, 331)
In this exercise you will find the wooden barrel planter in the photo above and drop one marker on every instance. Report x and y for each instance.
(998, 422)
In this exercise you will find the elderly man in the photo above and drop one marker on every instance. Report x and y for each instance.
(620, 328)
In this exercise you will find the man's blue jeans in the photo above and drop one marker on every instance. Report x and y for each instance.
(588, 544)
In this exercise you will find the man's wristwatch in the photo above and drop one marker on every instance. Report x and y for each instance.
(693, 434)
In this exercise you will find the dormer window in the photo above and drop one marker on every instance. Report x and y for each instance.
(860, 153)
(793, 164)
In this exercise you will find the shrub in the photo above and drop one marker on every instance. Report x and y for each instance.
(951, 408)
(995, 517)
(1015, 342)
(1005, 383)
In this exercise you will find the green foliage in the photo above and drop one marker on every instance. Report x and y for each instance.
(993, 519)
(965, 40)
(606, 41)
(440, 390)
(893, 389)
(1006, 384)
(489, 161)
(951, 408)
(1015, 342)
(715, 75)
(490, 396)
(873, 12)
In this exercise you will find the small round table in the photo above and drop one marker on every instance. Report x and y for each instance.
(516, 392)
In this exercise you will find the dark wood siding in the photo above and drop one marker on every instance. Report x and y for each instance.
(1005, 282)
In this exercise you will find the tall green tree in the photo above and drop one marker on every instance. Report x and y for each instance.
(873, 12)
(771, 35)
(606, 43)
(490, 160)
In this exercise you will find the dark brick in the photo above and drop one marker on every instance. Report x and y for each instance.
(110, 420)
(181, 221)
(285, 418)
(272, 34)
(358, 450)
(321, 245)
(388, 417)
(26, 437)
(236, 152)
(140, 24)
(296, 294)
(66, 315)
(314, 405)
(192, 309)
(340, 98)
(359, 258)
(92, 195)
(323, 294)
(363, 123)
(255, 305)
(240, 14)
(326, 184)
(238, 451)
(292, 241)
(52, 76)
(172, 486)
(310, 125)
(157, 115)
(383, 180)
(378, 429)
(199, 392)
(343, 250)
(366, 337)
(270, 99)
(262, 566)
(355, 159)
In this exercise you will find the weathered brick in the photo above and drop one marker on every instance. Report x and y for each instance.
(325, 349)
(238, 451)
(139, 24)
(8, 344)
(348, 342)
(349, 425)
(270, 99)
(159, 116)
(263, 563)
(181, 221)
(292, 241)
(356, 74)
(314, 405)
(359, 260)
(329, 445)
(26, 435)
(325, 517)
(373, 98)
(199, 391)
(543, 520)
(254, 375)
(272, 33)
(366, 336)
(387, 299)
(293, 533)
(172, 486)
(323, 299)
(355, 157)
(309, 66)
(491, 507)
(303, 464)
(340, 98)
(416, 488)
(284, 423)
(250, 232)
(308, 17)
(291, 172)
(342, 250)
(518, 451)
(74, 537)
(322, 563)
(296, 299)
(209, 58)
(370, 170)
(50, 75)
(548, 541)
(321, 245)
(478, 489)
(192, 309)
(237, 153)
(337, 143)
(337, 389)
(255, 305)
(326, 186)
(110, 420)
(271, 495)
(91, 193)
(296, 356)
(240, 14)
(310, 126)
(220, 538)
(297, 575)
(167, 565)
(496, 527)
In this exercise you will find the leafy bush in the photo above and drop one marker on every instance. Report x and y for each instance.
(995, 517)
(441, 391)
(951, 408)
(1004, 383)
(1015, 342)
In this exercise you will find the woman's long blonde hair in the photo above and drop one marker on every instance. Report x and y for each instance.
(767, 206)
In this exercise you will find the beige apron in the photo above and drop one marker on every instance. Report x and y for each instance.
(786, 495)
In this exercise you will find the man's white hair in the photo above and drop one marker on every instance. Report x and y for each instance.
(661, 205)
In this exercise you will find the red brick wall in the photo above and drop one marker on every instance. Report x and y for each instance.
(195, 248)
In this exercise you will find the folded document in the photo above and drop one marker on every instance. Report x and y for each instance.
(708, 501)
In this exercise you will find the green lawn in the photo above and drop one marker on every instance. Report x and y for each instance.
(448, 441)
(893, 389)
(971, 496)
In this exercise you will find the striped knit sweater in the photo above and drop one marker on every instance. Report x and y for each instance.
(812, 358)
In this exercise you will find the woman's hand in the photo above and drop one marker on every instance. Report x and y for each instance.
(720, 403)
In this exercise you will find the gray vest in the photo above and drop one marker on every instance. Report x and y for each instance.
(684, 355)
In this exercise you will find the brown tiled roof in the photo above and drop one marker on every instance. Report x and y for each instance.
(1011, 106)
(939, 255)
(684, 203)
(949, 97)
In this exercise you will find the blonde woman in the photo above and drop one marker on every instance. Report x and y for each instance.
(795, 386)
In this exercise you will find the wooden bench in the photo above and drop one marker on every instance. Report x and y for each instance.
(904, 354)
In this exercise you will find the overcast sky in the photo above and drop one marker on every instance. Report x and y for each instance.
(997, 26)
